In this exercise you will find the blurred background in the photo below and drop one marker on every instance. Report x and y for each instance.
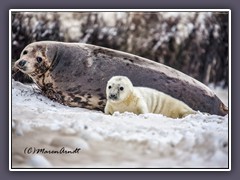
(195, 43)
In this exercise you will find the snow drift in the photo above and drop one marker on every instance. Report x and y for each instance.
(118, 141)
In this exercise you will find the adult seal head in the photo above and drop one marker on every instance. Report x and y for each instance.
(76, 74)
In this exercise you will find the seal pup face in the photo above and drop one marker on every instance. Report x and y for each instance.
(118, 89)
(33, 60)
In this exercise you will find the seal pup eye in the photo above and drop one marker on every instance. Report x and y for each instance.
(121, 88)
(109, 87)
(25, 52)
(39, 59)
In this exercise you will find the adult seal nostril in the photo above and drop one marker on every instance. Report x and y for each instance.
(22, 63)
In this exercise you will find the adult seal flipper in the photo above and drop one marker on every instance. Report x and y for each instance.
(76, 74)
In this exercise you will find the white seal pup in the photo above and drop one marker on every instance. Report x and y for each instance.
(122, 96)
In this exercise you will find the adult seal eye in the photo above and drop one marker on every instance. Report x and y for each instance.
(109, 87)
(39, 59)
(25, 52)
(121, 88)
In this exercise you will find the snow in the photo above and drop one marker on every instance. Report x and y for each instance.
(119, 141)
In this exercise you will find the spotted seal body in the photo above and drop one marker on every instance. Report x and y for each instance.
(123, 97)
(76, 74)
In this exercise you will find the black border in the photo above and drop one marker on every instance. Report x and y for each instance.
(173, 4)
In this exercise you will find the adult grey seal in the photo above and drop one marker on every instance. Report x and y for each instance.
(122, 96)
(76, 74)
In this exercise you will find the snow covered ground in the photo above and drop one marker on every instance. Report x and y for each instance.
(119, 141)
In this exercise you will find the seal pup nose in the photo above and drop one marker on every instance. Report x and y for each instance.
(22, 63)
(113, 96)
